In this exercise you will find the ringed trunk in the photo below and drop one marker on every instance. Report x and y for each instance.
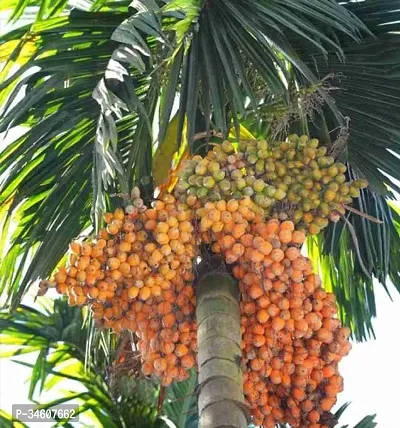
(221, 400)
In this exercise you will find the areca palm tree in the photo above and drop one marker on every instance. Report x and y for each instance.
(110, 94)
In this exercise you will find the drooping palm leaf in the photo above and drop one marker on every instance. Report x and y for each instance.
(226, 38)
(58, 336)
(94, 398)
(7, 421)
(70, 154)
(366, 422)
(47, 186)
(356, 250)
(180, 403)
(45, 9)
(368, 93)
(43, 328)
(135, 56)
(357, 253)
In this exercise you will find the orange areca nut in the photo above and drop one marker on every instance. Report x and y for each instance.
(138, 272)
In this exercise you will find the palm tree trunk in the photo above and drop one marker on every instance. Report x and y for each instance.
(221, 400)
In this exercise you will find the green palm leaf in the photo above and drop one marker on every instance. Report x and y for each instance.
(355, 254)
(45, 9)
(180, 402)
(59, 337)
(7, 421)
(227, 38)
(366, 93)
(358, 251)
(47, 185)
(366, 422)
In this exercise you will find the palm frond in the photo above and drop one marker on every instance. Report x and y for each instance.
(367, 92)
(47, 186)
(357, 252)
(33, 330)
(366, 422)
(354, 255)
(39, 10)
(7, 421)
(180, 403)
(59, 338)
(226, 38)
(117, 91)
(93, 80)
